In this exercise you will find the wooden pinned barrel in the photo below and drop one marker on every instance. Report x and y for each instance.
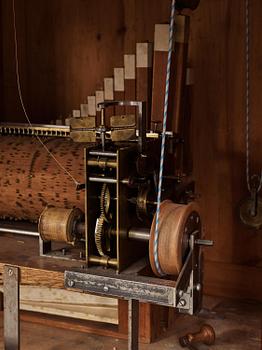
(31, 179)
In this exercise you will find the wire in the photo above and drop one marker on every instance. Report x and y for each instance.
(18, 82)
(161, 167)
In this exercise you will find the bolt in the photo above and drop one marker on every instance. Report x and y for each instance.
(71, 283)
(182, 303)
(106, 289)
(198, 287)
(180, 293)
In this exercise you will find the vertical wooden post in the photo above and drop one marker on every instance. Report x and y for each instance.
(99, 99)
(109, 96)
(119, 89)
(177, 76)
(144, 76)
(130, 81)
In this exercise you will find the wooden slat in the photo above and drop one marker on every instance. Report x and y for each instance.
(84, 110)
(177, 76)
(144, 76)
(130, 81)
(99, 98)
(91, 106)
(68, 304)
(119, 89)
(109, 96)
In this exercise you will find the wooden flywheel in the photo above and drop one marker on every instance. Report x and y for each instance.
(176, 223)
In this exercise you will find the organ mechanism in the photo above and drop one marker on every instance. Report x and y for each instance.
(92, 197)
(107, 218)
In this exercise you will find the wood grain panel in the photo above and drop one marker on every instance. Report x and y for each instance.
(66, 50)
(217, 54)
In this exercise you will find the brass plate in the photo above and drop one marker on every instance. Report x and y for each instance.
(118, 121)
(85, 122)
(83, 136)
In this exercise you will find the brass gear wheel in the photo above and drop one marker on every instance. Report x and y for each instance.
(99, 233)
(105, 199)
(103, 220)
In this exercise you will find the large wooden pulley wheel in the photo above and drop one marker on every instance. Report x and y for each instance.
(176, 223)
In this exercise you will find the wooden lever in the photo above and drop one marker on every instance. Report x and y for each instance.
(206, 335)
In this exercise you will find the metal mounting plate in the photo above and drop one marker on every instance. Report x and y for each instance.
(144, 289)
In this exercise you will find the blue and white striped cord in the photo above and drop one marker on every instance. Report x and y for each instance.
(170, 49)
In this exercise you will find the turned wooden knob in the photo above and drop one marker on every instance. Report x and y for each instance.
(206, 335)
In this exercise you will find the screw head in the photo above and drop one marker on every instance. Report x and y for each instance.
(10, 272)
(71, 283)
(106, 289)
(182, 302)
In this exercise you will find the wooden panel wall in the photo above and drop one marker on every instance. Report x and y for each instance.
(67, 47)
(234, 266)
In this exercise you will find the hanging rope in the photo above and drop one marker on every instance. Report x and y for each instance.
(22, 100)
(170, 49)
(248, 103)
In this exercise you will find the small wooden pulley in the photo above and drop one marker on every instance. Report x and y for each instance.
(59, 224)
(176, 223)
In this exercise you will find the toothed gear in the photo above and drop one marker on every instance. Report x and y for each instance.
(99, 232)
(105, 202)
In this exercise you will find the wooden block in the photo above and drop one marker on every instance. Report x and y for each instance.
(130, 81)
(153, 320)
(91, 106)
(109, 96)
(109, 89)
(144, 56)
(59, 122)
(76, 113)
(100, 97)
(84, 110)
(119, 88)
(144, 76)
(69, 304)
(67, 121)
(130, 67)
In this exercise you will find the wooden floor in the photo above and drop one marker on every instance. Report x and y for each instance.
(237, 325)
